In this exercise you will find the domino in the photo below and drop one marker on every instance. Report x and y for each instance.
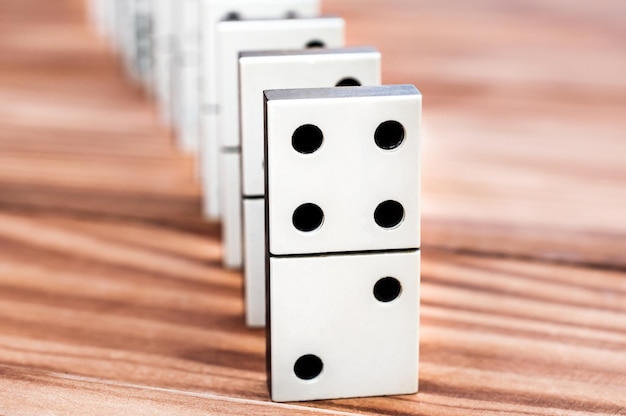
(211, 13)
(163, 52)
(186, 73)
(97, 16)
(343, 233)
(234, 37)
(259, 71)
(141, 62)
(184, 67)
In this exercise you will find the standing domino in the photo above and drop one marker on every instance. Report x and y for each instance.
(343, 230)
(163, 53)
(259, 71)
(186, 72)
(234, 37)
(211, 13)
(144, 25)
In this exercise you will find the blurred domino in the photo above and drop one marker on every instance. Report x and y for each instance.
(259, 71)
(140, 61)
(342, 207)
(211, 13)
(162, 40)
(234, 37)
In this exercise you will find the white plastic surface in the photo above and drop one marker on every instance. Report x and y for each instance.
(272, 70)
(188, 103)
(254, 261)
(325, 306)
(231, 223)
(348, 176)
(209, 165)
(212, 12)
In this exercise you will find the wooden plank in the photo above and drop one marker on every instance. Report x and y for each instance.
(37, 392)
(148, 305)
(75, 137)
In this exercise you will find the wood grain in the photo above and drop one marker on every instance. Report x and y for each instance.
(112, 295)
(141, 304)
(35, 392)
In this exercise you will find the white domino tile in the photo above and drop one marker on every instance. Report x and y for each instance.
(363, 175)
(343, 273)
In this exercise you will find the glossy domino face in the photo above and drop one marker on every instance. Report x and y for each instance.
(344, 326)
(231, 205)
(343, 170)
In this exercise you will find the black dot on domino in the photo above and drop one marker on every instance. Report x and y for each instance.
(308, 367)
(308, 217)
(315, 44)
(348, 82)
(307, 139)
(389, 135)
(387, 289)
(232, 16)
(389, 214)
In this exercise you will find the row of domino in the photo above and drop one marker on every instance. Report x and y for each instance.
(313, 168)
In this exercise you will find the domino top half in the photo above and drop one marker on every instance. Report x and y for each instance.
(365, 141)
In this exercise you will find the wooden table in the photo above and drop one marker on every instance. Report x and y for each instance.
(112, 296)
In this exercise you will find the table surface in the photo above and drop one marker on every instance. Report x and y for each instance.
(112, 295)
